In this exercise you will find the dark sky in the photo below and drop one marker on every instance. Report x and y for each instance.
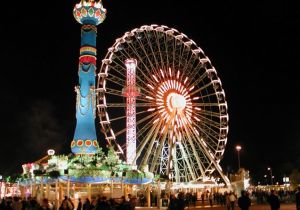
(253, 46)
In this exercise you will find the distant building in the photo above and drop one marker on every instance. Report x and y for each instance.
(240, 180)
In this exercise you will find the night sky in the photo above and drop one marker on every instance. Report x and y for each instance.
(253, 46)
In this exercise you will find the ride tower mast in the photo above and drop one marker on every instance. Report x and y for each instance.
(131, 92)
(89, 13)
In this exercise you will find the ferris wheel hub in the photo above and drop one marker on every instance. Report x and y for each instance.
(177, 101)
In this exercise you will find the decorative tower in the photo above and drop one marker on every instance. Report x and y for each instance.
(89, 13)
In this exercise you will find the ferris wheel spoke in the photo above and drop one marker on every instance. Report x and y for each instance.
(117, 68)
(202, 119)
(194, 144)
(157, 154)
(116, 80)
(158, 44)
(208, 113)
(149, 148)
(114, 92)
(122, 82)
(177, 50)
(197, 81)
(126, 55)
(124, 117)
(146, 118)
(140, 70)
(209, 136)
(191, 68)
(150, 44)
(201, 143)
(208, 144)
(167, 52)
(206, 104)
(209, 96)
(209, 122)
(146, 55)
(143, 143)
(190, 141)
(141, 132)
(116, 105)
(216, 165)
(138, 122)
(145, 104)
(209, 132)
(213, 83)
(184, 57)
(187, 161)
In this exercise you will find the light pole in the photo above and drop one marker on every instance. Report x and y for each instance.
(238, 148)
(266, 179)
(270, 169)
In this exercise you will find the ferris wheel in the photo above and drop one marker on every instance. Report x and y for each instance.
(161, 101)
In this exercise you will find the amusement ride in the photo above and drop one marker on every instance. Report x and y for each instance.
(159, 91)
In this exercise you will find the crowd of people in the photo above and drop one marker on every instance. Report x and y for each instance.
(231, 201)
(100, 203)
(177, 201)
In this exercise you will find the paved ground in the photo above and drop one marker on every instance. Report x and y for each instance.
(254, 207)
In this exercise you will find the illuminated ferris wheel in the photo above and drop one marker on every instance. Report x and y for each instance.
(160, 101)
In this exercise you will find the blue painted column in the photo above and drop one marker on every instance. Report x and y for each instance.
(89, 14)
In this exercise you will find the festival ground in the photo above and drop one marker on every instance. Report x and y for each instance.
(253, 207)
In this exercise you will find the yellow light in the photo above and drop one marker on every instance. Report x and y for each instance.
(155, 77)
(155, 121)
(149, 97)
(197, 118)
(185, 80)
(150, 86)
(162, 130)
(162, 73)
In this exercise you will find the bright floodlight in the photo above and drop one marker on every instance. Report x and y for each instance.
(178, 101)
(50, 152)
(238, 147)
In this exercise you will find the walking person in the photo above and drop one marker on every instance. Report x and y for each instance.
(244, 201)
(227, 201)
(210, 198)
(232, 200)
(79, 206)
(86, 204)
(173, 202)
(273, 200)
(132, 201)
(298, 199)
(180, 201)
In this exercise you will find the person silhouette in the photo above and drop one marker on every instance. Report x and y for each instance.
(298, 198)
(273, 200)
